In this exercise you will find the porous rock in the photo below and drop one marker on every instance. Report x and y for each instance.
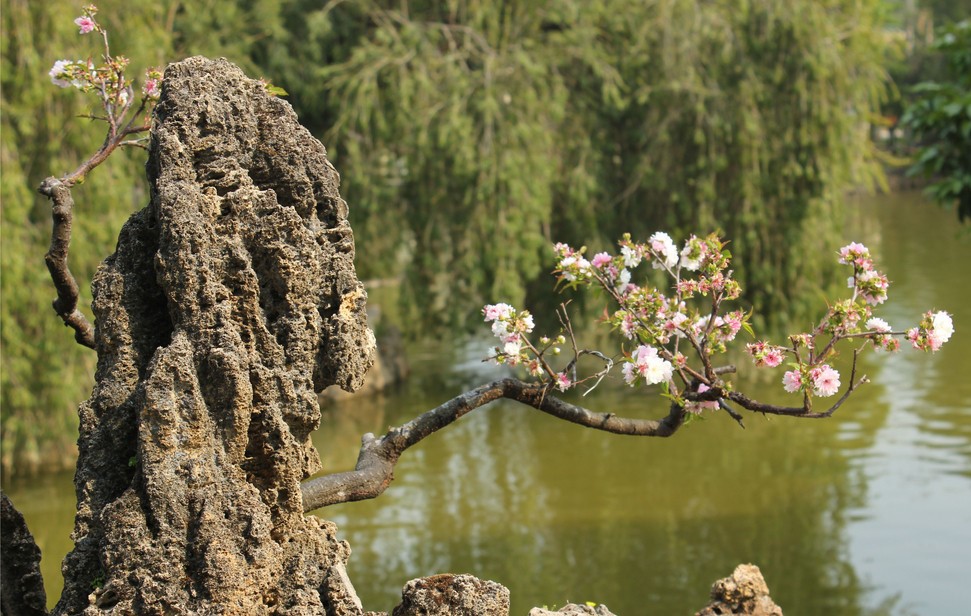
(447, 594)
(230, 302)
(573, 609)
(21, 584)
(743, 593)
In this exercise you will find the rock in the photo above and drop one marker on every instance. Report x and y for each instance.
(453, 595)
(745, 592)
(231, 300)
(390, 367)
(573, 609)
(21, 585)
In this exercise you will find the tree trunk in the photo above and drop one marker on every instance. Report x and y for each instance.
(231, 300)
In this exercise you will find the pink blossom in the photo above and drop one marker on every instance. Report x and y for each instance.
(673, 325)
(513, 345)
(85, 23)
(663, 246)
(648, 364)
(792, 381)
(826, 380)
(151, 88)
(534, 368)
(856, 254)
(495, 312)
(913, 334)
(600, 259)
(872, 286)
(563, 382)
(878, 325)
(687, 287)
(764, 354)
(734, 322)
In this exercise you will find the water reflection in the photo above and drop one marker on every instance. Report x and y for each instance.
(847, 516)
(561, 513)
(913, 532)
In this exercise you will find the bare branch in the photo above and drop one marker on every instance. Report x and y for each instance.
(66, 304)
(375, 464)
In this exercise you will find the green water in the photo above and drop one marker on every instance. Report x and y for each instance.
(866, 513)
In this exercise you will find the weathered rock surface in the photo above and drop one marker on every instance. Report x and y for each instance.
(744, 592)
(390, 368)
(453, 595)
(21, 585)
(573, 609)
(231, 300)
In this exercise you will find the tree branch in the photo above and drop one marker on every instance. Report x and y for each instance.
(66, 304)
(375, 463)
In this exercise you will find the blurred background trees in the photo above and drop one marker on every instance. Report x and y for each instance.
(470, 135)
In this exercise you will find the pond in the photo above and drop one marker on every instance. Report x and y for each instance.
(866, 513)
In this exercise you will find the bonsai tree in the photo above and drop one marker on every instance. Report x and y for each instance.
(231, 301)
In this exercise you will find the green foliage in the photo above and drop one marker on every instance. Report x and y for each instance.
(940, 119)
(472, 134)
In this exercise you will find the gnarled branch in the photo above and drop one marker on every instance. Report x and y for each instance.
(66, 304)
(374, 470)
(375, 463)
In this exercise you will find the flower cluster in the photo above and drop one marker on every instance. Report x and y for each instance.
(882, 335)
(933, 331)
(645, 364)
(765, 354)
(823, 381)
(510, 327)
(108, 80)
(866, 282)
(663, 325)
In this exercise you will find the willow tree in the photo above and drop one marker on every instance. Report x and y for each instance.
(493, 128)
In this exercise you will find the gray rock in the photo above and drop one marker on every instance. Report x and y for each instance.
(453, 595)
(231, 300)
(21, 584)
(743, 593)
